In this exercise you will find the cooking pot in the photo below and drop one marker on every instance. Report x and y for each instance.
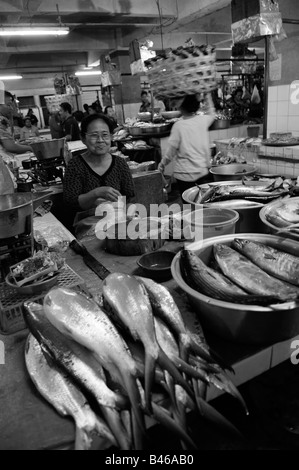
(47, 149)
(24, 186)
(16, 214)
(27, 164)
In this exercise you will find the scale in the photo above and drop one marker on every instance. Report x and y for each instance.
(49, 167)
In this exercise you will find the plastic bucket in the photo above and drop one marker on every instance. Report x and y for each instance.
(212, 222)
(253, 131)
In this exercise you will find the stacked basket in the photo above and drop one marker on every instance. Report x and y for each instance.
(183, 71)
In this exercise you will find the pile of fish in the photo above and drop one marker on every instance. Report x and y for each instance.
(106, 363)
(246, 272)
(243, 194)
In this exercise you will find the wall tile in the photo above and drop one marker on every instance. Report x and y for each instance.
(272, 93)
(282, 108)
(283, 93)
(288, 152)
(272, 108)
(293, 109)
(293, 123)
(282, 123)
(272, 122)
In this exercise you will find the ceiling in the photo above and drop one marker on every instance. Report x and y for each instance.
(98, 27)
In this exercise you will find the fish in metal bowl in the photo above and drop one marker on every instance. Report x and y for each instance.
(244, 288)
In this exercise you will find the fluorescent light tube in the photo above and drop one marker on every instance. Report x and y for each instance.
(31, 31)
(92, 72)
(10, 77)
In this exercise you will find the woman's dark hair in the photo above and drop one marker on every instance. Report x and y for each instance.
(94, 117)
(190, 104)
(143, 93)
(106, 108)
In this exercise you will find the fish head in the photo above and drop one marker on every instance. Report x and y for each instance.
(240, 243)
(223, 251)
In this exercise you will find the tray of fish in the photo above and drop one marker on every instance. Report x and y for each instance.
(124, 349)
(282, 217)
(244, 288)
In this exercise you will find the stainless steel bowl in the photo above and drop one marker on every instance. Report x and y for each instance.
(249, 220)
(232, 171)
(270, 208)
(219, 124)
(47, 149)
(236, 322)
(141, 131)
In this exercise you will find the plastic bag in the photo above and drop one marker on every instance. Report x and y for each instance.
(255, 97)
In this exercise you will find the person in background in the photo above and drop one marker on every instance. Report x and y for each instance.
(85, 107)
(7, 108)
(146, 104)
(55, 125)
(95, 175)
(8, 146)
(28, 131)
(188, 144)
(17, 127)
(78, 115)
(109, 111)
(32, 116)
(92, 109)
(69, 125)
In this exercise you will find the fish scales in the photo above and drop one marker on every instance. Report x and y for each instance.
(250, 277)
(58, 389)
(276, 262)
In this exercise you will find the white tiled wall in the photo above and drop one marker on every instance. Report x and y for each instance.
(283, 116)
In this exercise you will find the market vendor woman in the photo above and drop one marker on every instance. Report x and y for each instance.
(96, 175)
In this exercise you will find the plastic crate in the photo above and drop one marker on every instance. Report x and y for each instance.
(11, 303)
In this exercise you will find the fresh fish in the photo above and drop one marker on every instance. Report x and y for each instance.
(236, 204)
(214, 284)
(275, 262)
(250, 277)
(78, 361)
(81, 319)
(129, 300)
(59, 390)
(164, 307)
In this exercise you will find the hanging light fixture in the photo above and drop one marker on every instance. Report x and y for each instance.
(34, 31)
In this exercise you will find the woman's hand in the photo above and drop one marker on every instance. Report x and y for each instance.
(108, 193)
(161, 167)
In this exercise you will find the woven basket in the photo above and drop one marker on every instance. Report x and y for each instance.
(178, 76)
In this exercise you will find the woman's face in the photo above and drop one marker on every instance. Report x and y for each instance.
(98, 137)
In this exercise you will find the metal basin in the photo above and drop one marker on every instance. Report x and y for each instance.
(232, 171)
(47, 149)
(270, 208)
(16, 211)
(236, 322)
(249, 220)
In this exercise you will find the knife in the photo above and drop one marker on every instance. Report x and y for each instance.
(89, 260)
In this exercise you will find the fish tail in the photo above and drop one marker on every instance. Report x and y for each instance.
(83, 439)
(189, 370)
(135, 399)
(209, 413)
(116, 426)
(137, 436)
(210, 356)
(227, 385)
(170, 389)
(149, 377)
(167, 364)
(164, 418)
(183, 350)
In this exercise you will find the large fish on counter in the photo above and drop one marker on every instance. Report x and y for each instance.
(250, 277)
(128, 300)
(275, 262)
(80, 363)
(81, 319)
(59, 390)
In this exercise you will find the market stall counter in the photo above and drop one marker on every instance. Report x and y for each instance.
(29, 422)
